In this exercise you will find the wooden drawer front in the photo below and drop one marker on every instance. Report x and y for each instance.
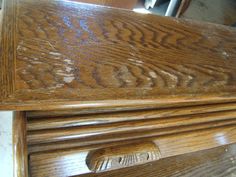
(214, 162)
(68, 143)
(82, 130)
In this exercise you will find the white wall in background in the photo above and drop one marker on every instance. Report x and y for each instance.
(6, 153)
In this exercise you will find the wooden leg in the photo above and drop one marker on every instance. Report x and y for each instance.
(20, 145)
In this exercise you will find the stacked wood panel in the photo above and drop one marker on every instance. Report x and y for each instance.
(91, 143)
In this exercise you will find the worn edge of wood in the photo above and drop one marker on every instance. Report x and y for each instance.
(7, 48)
(139, 136)
(39, 122)
(121, 104)
(20, 154)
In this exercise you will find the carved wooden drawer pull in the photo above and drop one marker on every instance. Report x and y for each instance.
(122, 156)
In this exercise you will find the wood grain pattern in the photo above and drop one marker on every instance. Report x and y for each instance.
(7, 48)
(112, 3)
(127, 137)
(69, 118)
(215, 162)
(88, 57)
(122, 156)
(82, 131)
(1, 18)
(20, 153)
(114, 80)
(71, 162)
(65, 131)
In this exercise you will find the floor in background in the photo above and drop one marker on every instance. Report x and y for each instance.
(6, 158)
(215, 11)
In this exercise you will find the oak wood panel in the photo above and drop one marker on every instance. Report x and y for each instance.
(69, 118)
(7, 48)
(20, 154)
(1, 18)
(122, 156)
(215, 162)
(113, 3)
(121, 105)
(124, 137)
(81, 130)
(87, 107)
(88, 57)
(71, 162)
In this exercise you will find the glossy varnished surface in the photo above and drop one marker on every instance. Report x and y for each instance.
(20, 153)
(92, 130)
(66, 129)
(102, 64)
(112, 3)
(158, 112)
(39, 120)
(111, 158)
(217, 162)
(68, 143)
(60, 54)
(88, 159)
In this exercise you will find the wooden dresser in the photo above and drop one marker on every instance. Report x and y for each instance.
(98, 91)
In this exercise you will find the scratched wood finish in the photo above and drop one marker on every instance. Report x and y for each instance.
(20, 153)
(74, 161)
(62, 54)
(215, 162)
(97, 62)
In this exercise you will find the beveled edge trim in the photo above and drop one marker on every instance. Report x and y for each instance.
(117, 105)
(8, 48)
